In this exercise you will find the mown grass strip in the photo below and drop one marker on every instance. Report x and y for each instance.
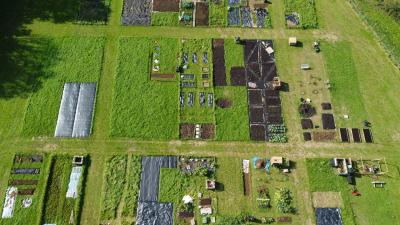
(233, 122)
(345, 90)
(113, 186)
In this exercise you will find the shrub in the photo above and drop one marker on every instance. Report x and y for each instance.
(284, 201)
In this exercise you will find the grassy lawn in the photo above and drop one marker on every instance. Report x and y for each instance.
(66, 60)
(305, 9)
(233, 122)
(142, 108)
(345, 91)
(31, 215)
(386, 27)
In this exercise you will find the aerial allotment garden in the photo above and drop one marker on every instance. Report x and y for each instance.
(175, 112)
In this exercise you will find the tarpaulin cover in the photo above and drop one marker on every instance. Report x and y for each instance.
(9, 202)
(84, 110)
(153, 213)
(74, 182)
(149, 183)
(328, 216)
(66, 114)
(76, 110)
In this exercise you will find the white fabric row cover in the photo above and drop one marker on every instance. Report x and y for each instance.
(76, 110)
(74, 182)
(9, 203)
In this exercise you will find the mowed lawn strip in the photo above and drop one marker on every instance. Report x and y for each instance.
(233, 122)
(72, 60)
(346, 96)
(142, 108)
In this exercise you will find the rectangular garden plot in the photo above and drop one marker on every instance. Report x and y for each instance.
(368, 135)
(219, 63)
(136, 12)
(255, 97)
(166, 5)
(328, 122)
(344, 135)
(257, 132)
(201, 16)
(256, 115)
(260, 70)
(356, 135)
(25, 191)
(307, 124)
(59, 207)
(238, 76)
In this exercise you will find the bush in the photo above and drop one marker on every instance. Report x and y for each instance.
(284, 201)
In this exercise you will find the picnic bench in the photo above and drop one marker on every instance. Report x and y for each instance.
(378, 184)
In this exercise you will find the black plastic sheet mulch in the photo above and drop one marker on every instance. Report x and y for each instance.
(328, 216)
(150, 176)
(153, 213)
(328, 122)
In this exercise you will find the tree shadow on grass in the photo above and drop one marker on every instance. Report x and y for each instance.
(23, 62)
(23, 65)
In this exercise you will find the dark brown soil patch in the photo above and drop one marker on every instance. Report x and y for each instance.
(224, 103)
(166, 5)
(328, 122)
(207, 131)
(307, 124)
(219, 63)
(256, 115)
(26, 191)
(326, 106)
(162, 76)
(368, 135)
(238, 76)
(257, 132)
(324, 136)
(307, 136)
(356, 135)
(255, 97)
(344, 135)
(186, 131)
(22, 182)
(201, 14)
